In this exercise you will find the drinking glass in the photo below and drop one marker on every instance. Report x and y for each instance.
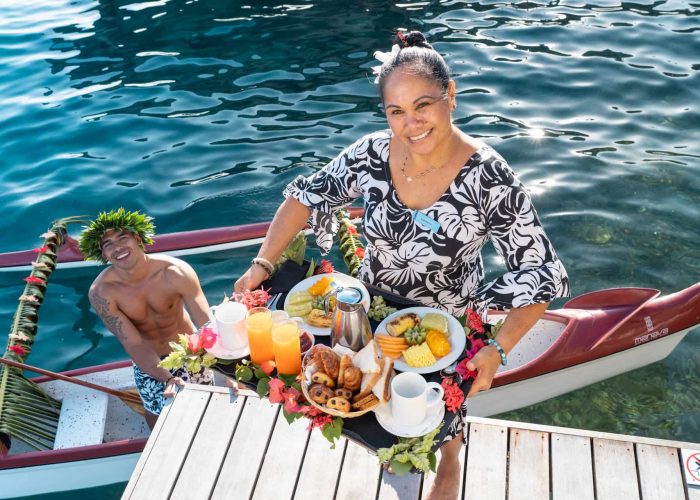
(285, 341)
(258, 322)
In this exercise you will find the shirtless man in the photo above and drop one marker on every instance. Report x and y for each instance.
(142, 298)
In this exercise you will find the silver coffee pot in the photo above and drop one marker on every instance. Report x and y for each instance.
(350, 325)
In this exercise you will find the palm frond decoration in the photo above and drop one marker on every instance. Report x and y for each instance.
(27, 413)
(349, 242)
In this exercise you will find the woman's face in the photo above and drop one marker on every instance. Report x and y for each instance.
(418, 111)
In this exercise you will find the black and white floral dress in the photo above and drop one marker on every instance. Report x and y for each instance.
(434, 255)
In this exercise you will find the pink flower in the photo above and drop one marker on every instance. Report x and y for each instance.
(18, 350)
(465, 372)
(28, 298)
(268, 367)
(477, 345)
(43, 249)
(207, 338)
(33, 280)
(256, 298)
(360, 252)
(276, 391)
(291, 405)
(194, 343)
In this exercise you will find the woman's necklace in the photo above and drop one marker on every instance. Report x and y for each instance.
(420, 174)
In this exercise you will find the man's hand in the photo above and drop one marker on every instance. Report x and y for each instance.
(170, 389)
(251, 279)
(486, 363)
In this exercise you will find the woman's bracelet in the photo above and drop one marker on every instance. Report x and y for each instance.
(265, 264)
(500, 350)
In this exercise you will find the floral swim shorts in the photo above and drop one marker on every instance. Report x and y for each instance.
(151, 390)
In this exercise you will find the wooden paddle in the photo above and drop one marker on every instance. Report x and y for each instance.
(129, 397)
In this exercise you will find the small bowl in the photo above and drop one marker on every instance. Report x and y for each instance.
(307, 340)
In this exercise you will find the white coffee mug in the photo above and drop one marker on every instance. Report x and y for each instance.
(230, 324)
(412, 397)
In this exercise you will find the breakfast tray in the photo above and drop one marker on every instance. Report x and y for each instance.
(363, 429)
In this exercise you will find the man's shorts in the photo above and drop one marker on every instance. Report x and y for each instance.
(151, 390)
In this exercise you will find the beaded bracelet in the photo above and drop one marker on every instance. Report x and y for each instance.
(265, 264)
(498, 347)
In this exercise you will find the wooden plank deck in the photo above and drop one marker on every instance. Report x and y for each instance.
(211, 444)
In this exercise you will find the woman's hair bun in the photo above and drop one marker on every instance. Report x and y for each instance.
(411, 39)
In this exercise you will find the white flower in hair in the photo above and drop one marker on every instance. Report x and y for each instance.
(383, 57)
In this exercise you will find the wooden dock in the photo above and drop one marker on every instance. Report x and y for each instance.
(211, 444)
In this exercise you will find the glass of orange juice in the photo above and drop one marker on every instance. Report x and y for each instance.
(285, 341)
(258, 322)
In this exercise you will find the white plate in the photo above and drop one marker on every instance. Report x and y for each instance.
(431, 421)
(458, 340)
(221, 352)
(340, 280)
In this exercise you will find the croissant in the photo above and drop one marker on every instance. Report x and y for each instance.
(327, 361)
(352, 378)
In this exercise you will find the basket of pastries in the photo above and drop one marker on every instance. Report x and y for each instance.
(344, 383)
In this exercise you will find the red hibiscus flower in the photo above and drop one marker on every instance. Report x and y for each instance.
(207, 338)
(360, 252)
(352, 229)
(276, 391)
(33, 280)
(454, 397)
(465, 372)
(18, 350)
(194, 342)
(325, 267)
(268, 367)
(474, 321)
(43, 249)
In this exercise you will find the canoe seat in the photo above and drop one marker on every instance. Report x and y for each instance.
(82, 420)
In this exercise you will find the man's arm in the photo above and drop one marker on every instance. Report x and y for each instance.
(186, 283)
(122, 328)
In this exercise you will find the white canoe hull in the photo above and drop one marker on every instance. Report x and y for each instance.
(537, 389)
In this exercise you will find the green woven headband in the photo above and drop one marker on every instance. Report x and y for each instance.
(119, 220)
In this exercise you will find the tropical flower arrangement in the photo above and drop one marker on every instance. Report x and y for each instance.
(190, 352)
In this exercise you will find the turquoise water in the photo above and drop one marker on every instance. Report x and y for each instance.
(200, 112)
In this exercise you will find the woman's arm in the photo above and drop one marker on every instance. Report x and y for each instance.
(486, 362)
(290, 218)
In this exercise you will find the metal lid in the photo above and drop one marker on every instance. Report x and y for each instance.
(349, 295)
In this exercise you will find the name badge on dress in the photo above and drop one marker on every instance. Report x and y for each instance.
(425, 222)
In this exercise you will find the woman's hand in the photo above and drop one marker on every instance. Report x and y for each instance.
(486, 363)
(251, 279)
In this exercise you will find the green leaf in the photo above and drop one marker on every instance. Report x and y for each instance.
(287, 379)
(332, 430)
(433, 460)
(263, 387)
(312, 268)
(399, 468)
(243, 373)
(259, 374)
(291, 417)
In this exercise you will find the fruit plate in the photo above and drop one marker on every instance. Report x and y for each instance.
(458, 340)
(339, 279)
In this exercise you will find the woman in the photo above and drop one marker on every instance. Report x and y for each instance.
(433, 197)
